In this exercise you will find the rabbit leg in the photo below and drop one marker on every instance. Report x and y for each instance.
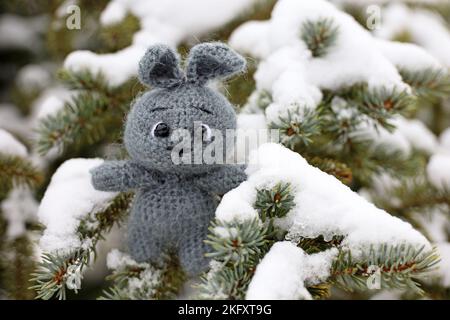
(192, 252)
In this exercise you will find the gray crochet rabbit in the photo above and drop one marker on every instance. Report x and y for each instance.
(174, 203)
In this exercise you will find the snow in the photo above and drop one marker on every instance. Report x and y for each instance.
(285, 270)
(69, 198)
(252, 132)
(444, 140)
(117, 260)
(417, 134)
(438, 171)
(49, 102)
(407, 55)
(32, 77)
(125, 63)
(407, 135)
(10, 145)
(187, 17)
(435, 223)
(426, 28)
(330, 211)
(290, 73)
(18, 208)
(168, 21)
(12, 121)
(444, 266)
(21, 32)
(387, 295)
(295, 79)
(394, 141)
(142, 286)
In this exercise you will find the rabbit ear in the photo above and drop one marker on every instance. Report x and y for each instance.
(159, 67)
(215, 60)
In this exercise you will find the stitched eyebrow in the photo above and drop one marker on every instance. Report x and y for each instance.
(203, 109)
(162, 108)
(157, 109)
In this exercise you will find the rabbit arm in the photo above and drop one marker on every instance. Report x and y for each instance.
(120, 176)
(222, 180)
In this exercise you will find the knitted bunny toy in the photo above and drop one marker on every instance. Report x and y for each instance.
(174, 203)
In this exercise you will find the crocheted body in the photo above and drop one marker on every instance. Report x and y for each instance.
(174, 215)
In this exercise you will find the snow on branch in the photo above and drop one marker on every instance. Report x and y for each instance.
(173, 22)
(16, 169)
(326, 209)
(319, 211)
(76, 217)
(142, 281)
(328, 84)
(69, 198)
(422, 27)
(11, 146)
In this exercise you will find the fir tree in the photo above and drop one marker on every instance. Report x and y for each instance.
(381, 131)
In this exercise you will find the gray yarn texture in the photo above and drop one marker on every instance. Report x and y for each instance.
(174, 203)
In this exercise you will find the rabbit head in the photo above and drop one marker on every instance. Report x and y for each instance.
(180, 100)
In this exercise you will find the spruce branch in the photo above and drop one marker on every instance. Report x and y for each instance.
(320, 291)
(260, 10)
(15, 270)
(298, 127)
(56, 272)
(399, 266)
(264, 99)
(59, 271)
(95, 114)
(120, 35)
(365, 161)
(145, 281)
(236, 243)
(238, 247)
(380, 104)
(429, 84)
(17, 171)
(414, 195)
(275, 202)
(319, 244)
(319, 35)
(84, 80)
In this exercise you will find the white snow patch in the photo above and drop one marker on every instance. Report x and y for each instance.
(416, 133)
(324, 206)
(444, 140)
(252, 132)
(142, 286)
(21, 32)
(117, 67)
(69, 198)
(426, 28)
(290, 73)
(33, 77)
(394, 141)
(444, 266)
(49, 103)
(168, 21)
(10, 145)
(407, 55)
(438, 171)
(285, 270)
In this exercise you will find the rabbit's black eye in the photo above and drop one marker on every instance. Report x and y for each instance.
(206, 132)
(161, 130)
